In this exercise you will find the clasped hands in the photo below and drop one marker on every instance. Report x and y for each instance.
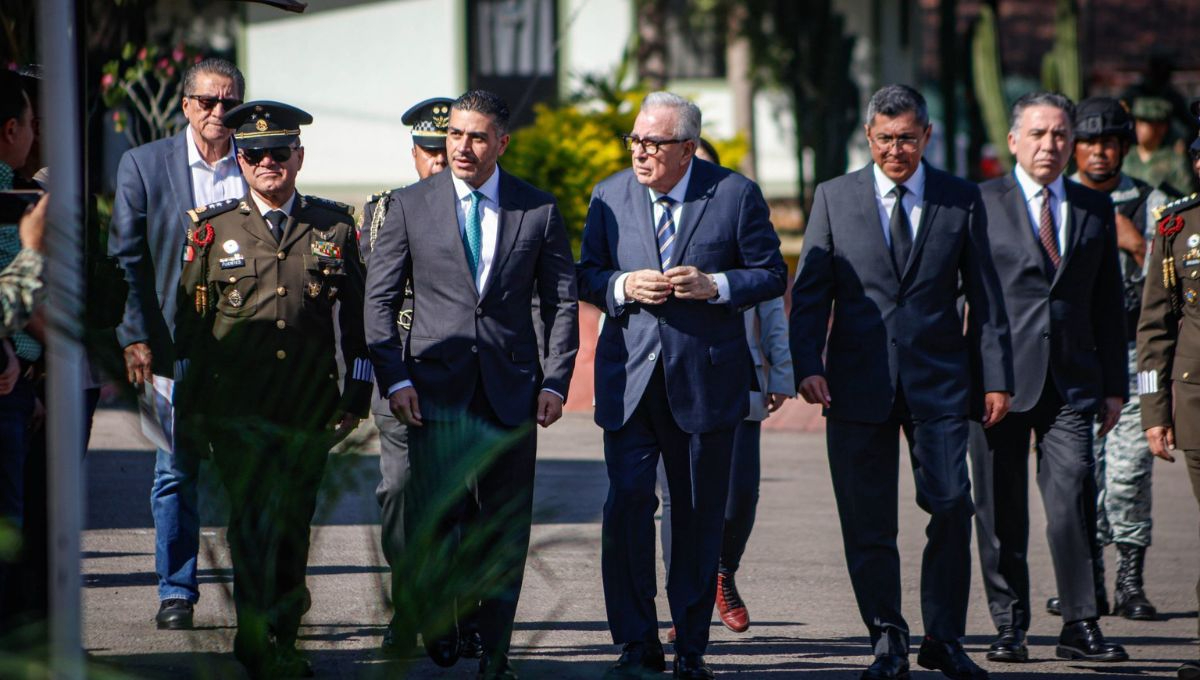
(652, 287)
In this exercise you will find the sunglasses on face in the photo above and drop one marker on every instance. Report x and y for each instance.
(209, 103)
(254, 156)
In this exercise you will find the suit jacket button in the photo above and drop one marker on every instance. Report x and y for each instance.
(281, 255)
(281, 354)
(479, 311)
(281, 291)
(651, 357)
(474, 349)
(281, 324)
(662, 321)
(1045, 334)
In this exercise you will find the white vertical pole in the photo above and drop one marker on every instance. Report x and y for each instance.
(61, 139)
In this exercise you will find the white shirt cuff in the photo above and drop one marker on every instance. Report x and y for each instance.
(399, 386)
(722, 282)
(554, 392)
(619, 289)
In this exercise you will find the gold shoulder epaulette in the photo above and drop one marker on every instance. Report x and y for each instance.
(332, 205)
(375, 198)
(1177, 206)
(204, 212)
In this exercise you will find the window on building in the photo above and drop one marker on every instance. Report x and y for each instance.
(511, 51)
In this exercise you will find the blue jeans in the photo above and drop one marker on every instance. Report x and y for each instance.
(175, 506)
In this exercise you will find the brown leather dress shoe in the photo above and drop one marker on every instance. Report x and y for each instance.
(730, 606)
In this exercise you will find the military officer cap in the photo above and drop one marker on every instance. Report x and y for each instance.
(1102, 116)
(1151, 108)
(265, 124)
(429, 120)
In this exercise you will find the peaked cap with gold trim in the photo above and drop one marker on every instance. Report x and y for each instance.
(429, 120)
(265, 124)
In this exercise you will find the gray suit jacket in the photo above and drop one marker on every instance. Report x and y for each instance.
(147, 235)
(767, 333)
(461, 337)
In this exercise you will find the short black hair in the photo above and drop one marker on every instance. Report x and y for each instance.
(13, 101)
(487, 103)
(896, 100)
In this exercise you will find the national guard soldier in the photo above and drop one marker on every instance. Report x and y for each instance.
(1124, 466)
(428, 120)
(1154, 159)
(1168, 338)
(260, 279)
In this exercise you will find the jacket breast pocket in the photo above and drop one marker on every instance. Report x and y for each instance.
(323, 278)
(1186, 369)
(236, 290)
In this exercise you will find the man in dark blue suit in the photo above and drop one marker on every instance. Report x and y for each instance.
(1054, 243)
(674, 249)
(156, 185)
(888, 248)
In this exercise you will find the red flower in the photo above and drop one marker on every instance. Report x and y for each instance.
(141, 54)
(177, 54)
(1170, 225)
(107, 81)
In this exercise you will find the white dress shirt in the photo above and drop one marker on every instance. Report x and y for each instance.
(1058, 206)
(912, 203)
(217, 181)
(263, 208)
(489, 220)
(677, 193)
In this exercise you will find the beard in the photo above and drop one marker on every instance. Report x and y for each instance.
(1102, 177)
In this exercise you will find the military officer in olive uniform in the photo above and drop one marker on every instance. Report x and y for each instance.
(428, 120)
(1168, 341)
(260, 279)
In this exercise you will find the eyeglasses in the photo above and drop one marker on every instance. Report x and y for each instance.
(650, 146)
(280, 154)
(905, 142)
(209, 103)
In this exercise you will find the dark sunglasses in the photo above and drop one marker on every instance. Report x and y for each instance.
(255, 156)
(209, 103)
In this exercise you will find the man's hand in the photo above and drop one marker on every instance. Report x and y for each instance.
(405, 407)
(1161, 439)
(137, 364)
(774, 401)
(690, 283)
(1130, 239)
(343, 424)
(815, 390)
(995, 407)
(549, 408)
(1110, 412)
(647, 286)
(32, 229)
(12, 370)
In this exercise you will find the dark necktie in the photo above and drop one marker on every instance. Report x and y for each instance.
(666, 232)
(1046, 231)
(276, 219)
(900, 231)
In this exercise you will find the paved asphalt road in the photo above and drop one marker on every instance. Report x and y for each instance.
(804, 620)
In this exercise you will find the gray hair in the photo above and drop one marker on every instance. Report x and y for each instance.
(216, 66)
(1058, 101)
(897, 100)
(687, 126)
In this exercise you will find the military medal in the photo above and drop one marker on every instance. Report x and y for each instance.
(202, 238)
(1190, 296)
(1193, 241)
(327, 249)
(235, 298)
(313, 288)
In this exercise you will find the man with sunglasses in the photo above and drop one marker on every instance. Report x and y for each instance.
(157, 184)
(260, 280)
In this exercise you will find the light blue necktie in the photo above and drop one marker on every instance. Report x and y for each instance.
(666, 232)
(473, 234)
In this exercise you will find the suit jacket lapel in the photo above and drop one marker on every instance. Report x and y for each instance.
(870, 217)
(700, 188)
(179, 177)
(442, 202)
(255, 224)
(1018, 215)
(511, 213)
(931, 202)
(1075, 218)
(297, 225)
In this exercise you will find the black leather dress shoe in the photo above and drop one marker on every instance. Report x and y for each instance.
(497, 668)
(174, 614)
(1190, 670)
(1054, 607)
(1009, 646)
(444, 649)
(692, 667)
(638, 660)
(1083, 640)
(470, 644)
(887, 667)
(949, 658)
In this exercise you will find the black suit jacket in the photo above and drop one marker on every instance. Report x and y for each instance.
(461, 337)
(898, 329)
(1068, 323)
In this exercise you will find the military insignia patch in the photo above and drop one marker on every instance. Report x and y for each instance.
(313, 288)
(189, 252)
(1193, 241)
(1190, 296)
(235, 298)
(326, 249)
(405, 319)
(230, 246)
(232, 262)
(260, 125)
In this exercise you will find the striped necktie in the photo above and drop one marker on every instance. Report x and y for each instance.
(666, 232)
(1046, 231)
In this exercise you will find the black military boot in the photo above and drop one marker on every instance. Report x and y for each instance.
(1129, 597)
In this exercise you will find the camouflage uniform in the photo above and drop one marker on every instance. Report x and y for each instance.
(1163, 166)
(1168, 338)
(20, 290)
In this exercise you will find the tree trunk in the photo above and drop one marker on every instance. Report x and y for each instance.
(741, 85)
(652, 43)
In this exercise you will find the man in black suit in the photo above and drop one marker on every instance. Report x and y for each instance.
(890, 244)
(1055, 248)
(476, 243)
